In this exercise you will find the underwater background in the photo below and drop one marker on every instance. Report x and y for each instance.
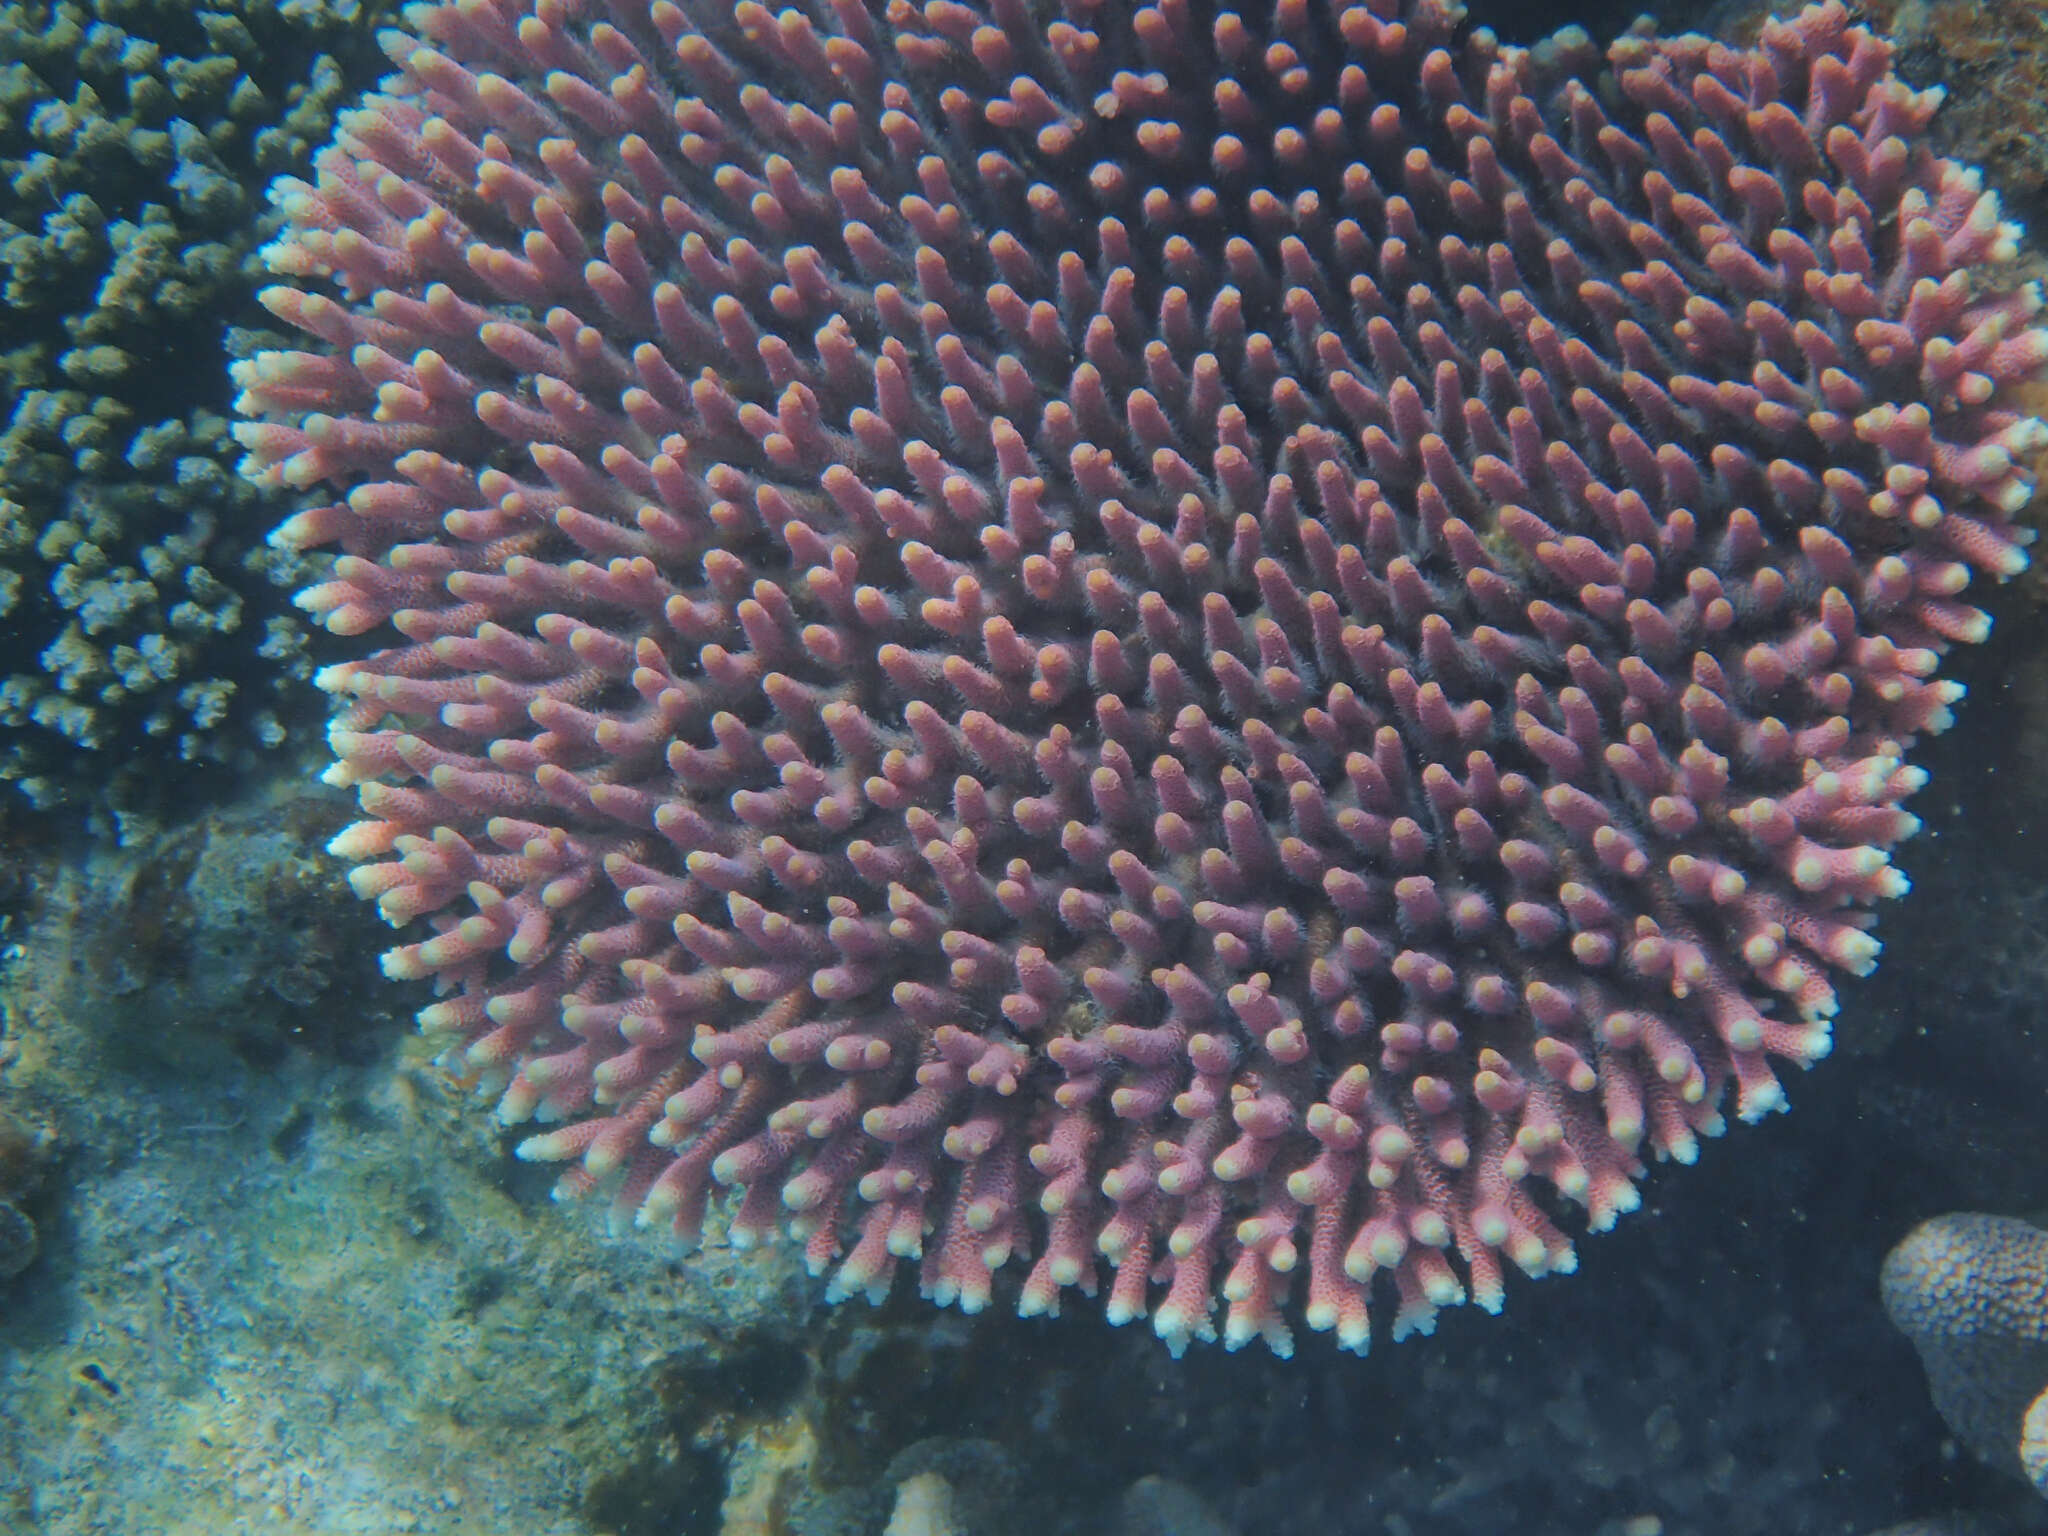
(266, 1266)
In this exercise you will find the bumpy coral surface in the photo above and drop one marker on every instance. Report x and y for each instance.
(135, 591)
(1251, 648)
(1971, 1292)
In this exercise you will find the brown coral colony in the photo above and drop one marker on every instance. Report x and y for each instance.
(1256, 645)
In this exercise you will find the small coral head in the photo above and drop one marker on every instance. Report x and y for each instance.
(1237, 659)
(1971, 1293)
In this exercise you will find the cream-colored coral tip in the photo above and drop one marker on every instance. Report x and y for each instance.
(2034, 1443)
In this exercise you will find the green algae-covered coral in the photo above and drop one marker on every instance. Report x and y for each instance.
(141, 615)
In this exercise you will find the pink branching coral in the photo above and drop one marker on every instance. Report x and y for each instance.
(1034, 631)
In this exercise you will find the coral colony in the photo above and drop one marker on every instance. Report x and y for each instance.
(1971, 1292)
(135, 140)
(1231, 658)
